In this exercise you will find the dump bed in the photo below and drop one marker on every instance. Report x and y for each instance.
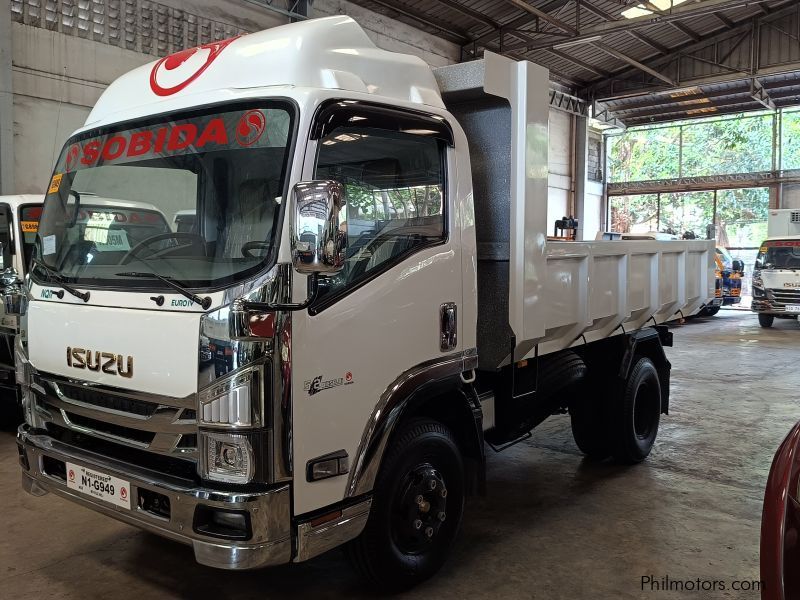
(540, 296)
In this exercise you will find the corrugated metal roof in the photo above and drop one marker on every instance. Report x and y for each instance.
(645, 58)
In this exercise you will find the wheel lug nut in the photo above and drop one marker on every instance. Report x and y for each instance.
(420, 499)
(429, 532)
(432, 484)
(418, 524)
(443, 493)
(442, 516)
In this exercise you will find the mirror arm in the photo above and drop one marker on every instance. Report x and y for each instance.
(313, 292)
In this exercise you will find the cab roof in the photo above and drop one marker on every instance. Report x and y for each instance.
(328, 53)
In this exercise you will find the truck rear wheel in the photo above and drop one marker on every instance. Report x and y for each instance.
(416, 509)
(765, 320)
(589, 426)
(637, 413)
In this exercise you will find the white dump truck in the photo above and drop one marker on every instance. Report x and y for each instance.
(776, 275)
(370, 269)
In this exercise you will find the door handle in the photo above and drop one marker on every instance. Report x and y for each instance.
(448, 326)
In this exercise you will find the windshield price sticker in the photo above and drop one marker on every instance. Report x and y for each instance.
(108, 240)
(55, 183)
(99, 485)
(49, 245)
(29, 226)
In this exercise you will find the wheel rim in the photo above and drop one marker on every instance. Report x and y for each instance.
(644, 410)
(420, 509)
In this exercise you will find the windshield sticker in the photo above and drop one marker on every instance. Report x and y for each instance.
(250, 128)
(107, 240)
(55, 183)
(29, 226)
(49, 245)
(173, 73)
(210, 134)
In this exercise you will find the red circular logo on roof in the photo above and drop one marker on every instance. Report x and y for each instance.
(174, 72)
(71, 475)
(250, 128)
(73, 154)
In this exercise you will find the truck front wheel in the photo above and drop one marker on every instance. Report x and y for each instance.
(416, 509)
(765, 320)
(638, 413)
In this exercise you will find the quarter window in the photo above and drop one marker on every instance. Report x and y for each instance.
(394, 188)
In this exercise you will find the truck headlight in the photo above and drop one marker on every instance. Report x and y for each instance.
(235, 400)
(227, 457)
(757, 281)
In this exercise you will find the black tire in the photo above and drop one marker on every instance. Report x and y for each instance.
(394, 552)
(765, 320)
(710, 311)
(637, 413)
(588, 417)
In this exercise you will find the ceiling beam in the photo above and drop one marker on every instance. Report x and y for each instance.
(457, 35)
(469, 12)
(543, 15)
(607, 16)
(525, 19)
(684, 11)
(761, 95)
(657, 61)
(634, 63)
(577, 62)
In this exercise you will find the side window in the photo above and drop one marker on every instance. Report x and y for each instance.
(394, 187)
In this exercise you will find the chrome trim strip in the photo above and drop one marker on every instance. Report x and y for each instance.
(269, 511)
(384, 416)
(313, 541)
(166, 423)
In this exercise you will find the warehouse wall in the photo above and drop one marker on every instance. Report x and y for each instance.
(64, 54)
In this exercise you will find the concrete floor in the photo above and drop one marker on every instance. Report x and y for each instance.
(552, 525)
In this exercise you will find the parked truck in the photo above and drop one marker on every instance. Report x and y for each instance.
(19, 221)
(361, 369)
(776, 275)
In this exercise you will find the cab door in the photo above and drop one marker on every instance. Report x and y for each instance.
(381, 316)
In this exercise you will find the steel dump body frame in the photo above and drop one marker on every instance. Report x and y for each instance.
(537, 296)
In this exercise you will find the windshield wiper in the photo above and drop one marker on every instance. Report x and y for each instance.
(59, 279)
(203, 302)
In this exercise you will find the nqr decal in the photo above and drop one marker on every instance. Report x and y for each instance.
(173, 73)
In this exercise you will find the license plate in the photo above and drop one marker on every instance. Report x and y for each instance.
(793, 308)
(99, 485)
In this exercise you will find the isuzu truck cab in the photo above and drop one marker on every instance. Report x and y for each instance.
(369, 261)
(19, 221)
(776, 274)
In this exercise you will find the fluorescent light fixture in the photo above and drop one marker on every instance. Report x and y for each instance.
(640, 10)
(579, 41)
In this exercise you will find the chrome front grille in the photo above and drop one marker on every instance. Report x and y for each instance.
(158, 424)
(782, 296)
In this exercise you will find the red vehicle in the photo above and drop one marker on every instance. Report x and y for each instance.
(780, 524)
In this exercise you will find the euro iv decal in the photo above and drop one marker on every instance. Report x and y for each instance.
(107, 362)
(317, 385)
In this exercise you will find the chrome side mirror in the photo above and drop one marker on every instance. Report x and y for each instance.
(319, 235)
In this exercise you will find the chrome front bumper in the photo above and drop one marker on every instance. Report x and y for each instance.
(268, 512)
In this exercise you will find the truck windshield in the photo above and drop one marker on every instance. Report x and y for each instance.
(195, 198)
(779, 254)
